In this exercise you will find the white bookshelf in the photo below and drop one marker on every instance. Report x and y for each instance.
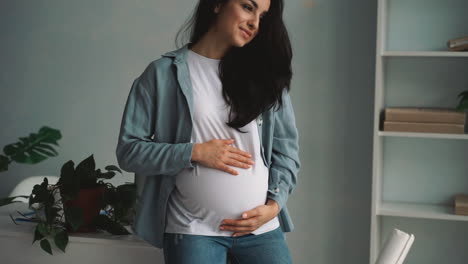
(419, 210)
(424, 54)
(416, 175)
(422, 135)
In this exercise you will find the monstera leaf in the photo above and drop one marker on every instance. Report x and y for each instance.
(32, 149)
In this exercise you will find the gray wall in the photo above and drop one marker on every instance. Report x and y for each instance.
(70, 64)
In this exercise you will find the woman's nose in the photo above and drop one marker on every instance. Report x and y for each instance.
(253, 23)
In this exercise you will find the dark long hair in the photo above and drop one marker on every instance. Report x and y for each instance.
(253, 76)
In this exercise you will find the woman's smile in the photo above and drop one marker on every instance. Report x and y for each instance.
(245, 33)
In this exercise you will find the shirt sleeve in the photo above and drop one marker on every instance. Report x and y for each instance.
(285, 163)
(136, 152)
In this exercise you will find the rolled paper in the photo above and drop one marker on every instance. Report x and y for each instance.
(408, 245)
(395, 248)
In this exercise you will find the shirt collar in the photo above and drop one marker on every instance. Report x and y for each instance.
(179, 55)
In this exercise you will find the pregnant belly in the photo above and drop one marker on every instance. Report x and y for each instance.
(221, 193)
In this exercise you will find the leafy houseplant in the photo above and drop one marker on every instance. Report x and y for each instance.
(84, 193)
(49, 201)
(31, 150)
(50, 222)
(63, 207)
(81, 190)
(82, 213)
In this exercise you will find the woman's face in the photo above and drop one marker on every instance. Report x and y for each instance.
(238, 21)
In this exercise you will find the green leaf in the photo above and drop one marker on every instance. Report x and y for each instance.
(37, 234)
(113, 168)
(34, 149)
(106, 175)
(35, 157)
(45, 245)
(42, 228)
(61, 240)
(86, 172)
(87, 165)
(127, 194)
(40, 193)
(67, 172)
(74, 216)
(50, 135)
(69, 183)
(51, 214)
(104, 223)
(47, 147)
(109, 196)
(45, 183)
(463, 94)
(4, 161)
(25, 140)
(46, 152)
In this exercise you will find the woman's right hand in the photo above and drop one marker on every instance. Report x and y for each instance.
(218, 154)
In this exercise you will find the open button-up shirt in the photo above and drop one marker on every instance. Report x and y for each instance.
(154, 143)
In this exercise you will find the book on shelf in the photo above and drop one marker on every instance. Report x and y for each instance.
(458, 44)
(463, 47)
(425, 115)
(461, 204)
(395, 126)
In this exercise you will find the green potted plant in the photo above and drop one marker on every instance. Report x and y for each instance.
(49, 217)
(82, 190)
(29, 150)
(80, 202)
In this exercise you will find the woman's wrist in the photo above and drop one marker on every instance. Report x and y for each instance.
(274, 204)
(195, 152)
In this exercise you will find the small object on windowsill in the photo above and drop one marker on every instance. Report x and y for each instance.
(30, 213)
(423, 127)
(31, 220)
(424, 115)
(26, 218)
(461, 204)
(458, 44)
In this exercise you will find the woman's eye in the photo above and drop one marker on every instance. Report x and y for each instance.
(248, 7)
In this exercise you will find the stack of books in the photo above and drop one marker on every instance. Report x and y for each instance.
(424, 120)
(461, 204)
(458, 44)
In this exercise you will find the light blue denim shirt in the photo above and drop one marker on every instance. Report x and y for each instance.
(154, 143)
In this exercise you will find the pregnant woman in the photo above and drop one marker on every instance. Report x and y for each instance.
(210, 133)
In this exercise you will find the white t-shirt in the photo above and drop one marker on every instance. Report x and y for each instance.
(203, 196)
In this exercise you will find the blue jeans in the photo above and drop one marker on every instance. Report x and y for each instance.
(268, 248)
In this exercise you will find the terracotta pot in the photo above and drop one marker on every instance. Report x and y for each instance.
(89, 201)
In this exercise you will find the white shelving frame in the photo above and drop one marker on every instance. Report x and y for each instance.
(424, 54)
(381, 208)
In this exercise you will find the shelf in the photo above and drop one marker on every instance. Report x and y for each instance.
(415, 68)
(459, 54)
(415, 210)
(423, 135)
(25, 230)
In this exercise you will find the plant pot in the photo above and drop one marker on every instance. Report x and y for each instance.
(89, 200)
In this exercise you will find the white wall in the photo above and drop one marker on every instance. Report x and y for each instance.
(69, 65)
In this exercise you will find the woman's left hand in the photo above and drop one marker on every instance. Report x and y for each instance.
(251, 220)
